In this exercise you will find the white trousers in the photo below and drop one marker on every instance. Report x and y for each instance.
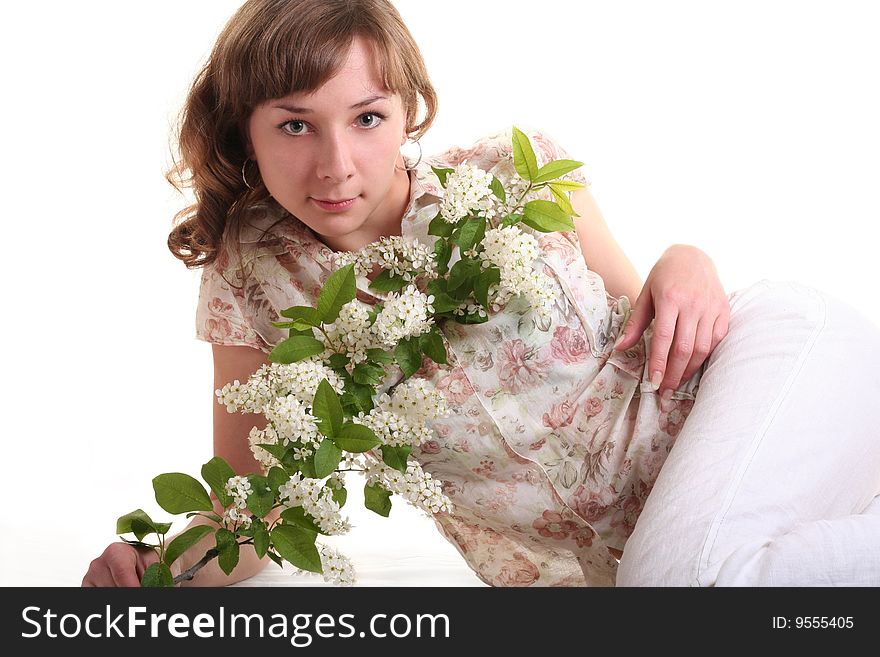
(775, 476)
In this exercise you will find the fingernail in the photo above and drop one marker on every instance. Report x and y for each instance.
(656, 378)
(620, 339)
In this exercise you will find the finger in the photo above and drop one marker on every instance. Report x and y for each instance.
(639, 319)
(661, 342)
(681, 351)
(122, 570)
(703, 347)
(722, 327)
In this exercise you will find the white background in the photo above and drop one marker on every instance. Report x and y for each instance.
(748, 129)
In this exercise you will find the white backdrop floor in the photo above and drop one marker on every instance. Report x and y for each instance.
(404, 549)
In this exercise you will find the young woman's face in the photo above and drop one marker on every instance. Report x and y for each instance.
(329, 157)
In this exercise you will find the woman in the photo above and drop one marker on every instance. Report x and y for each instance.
(553, 456)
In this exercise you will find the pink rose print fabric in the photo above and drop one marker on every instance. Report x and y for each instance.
(554, 442)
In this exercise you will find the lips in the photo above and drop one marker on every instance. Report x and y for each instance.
(334, 205)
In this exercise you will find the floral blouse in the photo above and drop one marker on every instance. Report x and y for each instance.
(554, 441)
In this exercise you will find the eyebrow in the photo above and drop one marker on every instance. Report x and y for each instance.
(293, 109)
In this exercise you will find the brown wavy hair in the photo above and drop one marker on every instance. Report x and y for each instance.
(270, 49)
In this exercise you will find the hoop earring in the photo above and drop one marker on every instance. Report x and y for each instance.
(412, 167)
(243, 176)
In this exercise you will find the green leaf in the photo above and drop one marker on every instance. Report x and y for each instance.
(262, 496)
(157, 574)
(178, 493)
(337, 291)
(184, 541)
(275, 449)
(217, 472)
(555, 169)
(337, 361)
(546, 216)
(472, 318)
(368, 374)
(327, 408)
(261, 538)
(296, 515)
(307, 467)
(472, 233)
(297, 545)
(277, 477)
(524, 156)
(137, 522)
(442, 253)
(305, 315)
(443, 303)
(295, 348)
(340, 495)
(228, 550)
(327, 458)
(274, 557)
(462, 271)
(388, 282)
(373, 313)
(442, 173)
(563, 201)
(356, 438)
(566, 185)
(359, 395)
(432, 346)
(440, 227)
(377, 498)
(498, 189)
(511, 220)
(409, 358)
(396, 456)
(486, 279)
(380, 356)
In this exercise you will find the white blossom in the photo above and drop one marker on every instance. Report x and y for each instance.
(316, 500)
(351, 332)
(416, 486)
(404, 315)
(514, 252)
(275, 380)
(402, 256)
(467, 189)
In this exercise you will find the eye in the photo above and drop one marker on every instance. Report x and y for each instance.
(294, 127)
(370, 119)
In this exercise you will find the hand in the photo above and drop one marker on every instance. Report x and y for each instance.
(120, 564)
(691, 311)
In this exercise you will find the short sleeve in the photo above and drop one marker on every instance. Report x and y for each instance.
(231, 315)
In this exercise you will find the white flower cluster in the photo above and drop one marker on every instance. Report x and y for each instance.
(467, 189)
(391, 428)
(337, 568)
(292, 421)
(402, 256)
(514, 253)
(275, 380)
(351, 331)
(417, 400)
(407, 314)
(266, 436)
(316, 500)
(416, 486)
(239, 488)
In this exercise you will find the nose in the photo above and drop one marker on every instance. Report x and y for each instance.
(335, 162)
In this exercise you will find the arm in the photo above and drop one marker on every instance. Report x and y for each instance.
(230, 443)
(601, 251)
